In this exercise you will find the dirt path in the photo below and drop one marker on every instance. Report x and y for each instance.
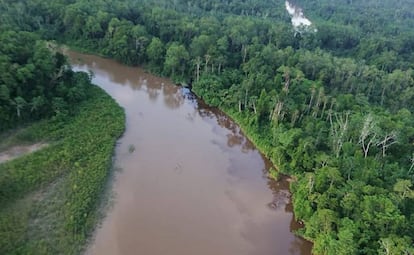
(20, 150)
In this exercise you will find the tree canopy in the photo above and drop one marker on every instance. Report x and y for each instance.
(332, 107)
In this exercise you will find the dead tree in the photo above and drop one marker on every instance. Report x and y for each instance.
(311, 182)
(338, 131)
(311, 100)
(207, 59)
(325, 102)
(244, 51)
(321, 95)
(287, 81)
(276, 114)
(368, 134)
(198, 64)
(295, 117)
(252, 102)
(387, 141)
(412, 164)
(333, 103)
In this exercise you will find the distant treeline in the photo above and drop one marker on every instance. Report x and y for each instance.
(333, 108)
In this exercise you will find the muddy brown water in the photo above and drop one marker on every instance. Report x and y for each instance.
(194, 184)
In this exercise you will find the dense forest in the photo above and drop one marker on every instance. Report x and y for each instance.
(48, 198)
(35, 80)
(333, 108)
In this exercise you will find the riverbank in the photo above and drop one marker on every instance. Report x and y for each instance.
(209, 170)
(257, 138)
(49, 197)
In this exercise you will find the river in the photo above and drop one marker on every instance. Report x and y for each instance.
(190, 183)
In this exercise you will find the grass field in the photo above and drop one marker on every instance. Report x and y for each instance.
(49, 198)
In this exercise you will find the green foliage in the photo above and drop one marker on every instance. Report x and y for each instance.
(155, 53)
(334, 108)
(79, 156)
(273, 173)
(176, 59)
(35, 81)
(381, 34)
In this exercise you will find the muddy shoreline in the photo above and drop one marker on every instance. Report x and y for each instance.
(194, 184)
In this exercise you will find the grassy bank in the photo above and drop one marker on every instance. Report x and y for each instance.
(49, 197)
(261, 143)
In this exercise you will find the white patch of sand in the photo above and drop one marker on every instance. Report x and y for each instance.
(20, 150)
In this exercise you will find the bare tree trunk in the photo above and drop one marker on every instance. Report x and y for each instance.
(338, 131)
(331, 108)
(245, 97)
(386, 246)
(351, 88)
(311, 100)
(368, 145)
(295, 117)
(244, 50)
(207, 58)
(311, 183)
(320, 95)
(325, 102)
(318, 103)
(287, 82)
(382, 95)
(368, 135)
(276, 113)
(254, 108)
(388, 140)
(412, 164)
(198, 64)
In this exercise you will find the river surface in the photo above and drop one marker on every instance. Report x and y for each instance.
(190, 183)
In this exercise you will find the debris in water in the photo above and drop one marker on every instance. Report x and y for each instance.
(131, 148)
